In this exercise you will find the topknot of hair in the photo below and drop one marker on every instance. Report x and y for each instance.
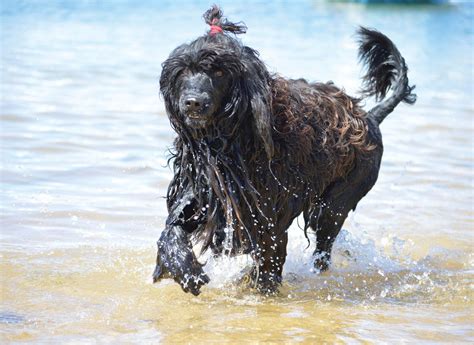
(214, 16)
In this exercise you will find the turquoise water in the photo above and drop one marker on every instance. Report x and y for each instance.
(84, 141)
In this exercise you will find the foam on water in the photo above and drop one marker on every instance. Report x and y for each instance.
(362, 271)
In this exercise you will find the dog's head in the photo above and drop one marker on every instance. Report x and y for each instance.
(213, 84)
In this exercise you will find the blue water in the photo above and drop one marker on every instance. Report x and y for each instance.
(80, 78)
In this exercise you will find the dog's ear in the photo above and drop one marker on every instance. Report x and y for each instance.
(171, 69)
(261, 112)
(257, 83)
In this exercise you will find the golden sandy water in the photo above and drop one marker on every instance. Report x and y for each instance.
(100, 294)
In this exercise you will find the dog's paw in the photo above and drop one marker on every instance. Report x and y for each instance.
(322, 261)
(192, 282)
(183, 269)
(266, 283)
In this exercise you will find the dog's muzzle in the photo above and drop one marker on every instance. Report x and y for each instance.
(196, 106)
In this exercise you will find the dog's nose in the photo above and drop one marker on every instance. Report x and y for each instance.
(193, 104)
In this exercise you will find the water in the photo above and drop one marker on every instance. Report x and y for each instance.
(84, 144)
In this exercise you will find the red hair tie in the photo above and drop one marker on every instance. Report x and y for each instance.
(215, 29)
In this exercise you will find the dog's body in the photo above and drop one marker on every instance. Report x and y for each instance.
(255, 150)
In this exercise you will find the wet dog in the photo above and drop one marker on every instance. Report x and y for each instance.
(255, 150)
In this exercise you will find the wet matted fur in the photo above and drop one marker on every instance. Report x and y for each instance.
(255, 150)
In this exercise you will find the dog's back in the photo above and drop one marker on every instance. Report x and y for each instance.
(324, 128)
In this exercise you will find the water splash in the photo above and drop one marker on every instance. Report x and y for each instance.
(362, 271)
(229, 229)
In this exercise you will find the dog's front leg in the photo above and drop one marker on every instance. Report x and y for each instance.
(271, 256)
(175, 259)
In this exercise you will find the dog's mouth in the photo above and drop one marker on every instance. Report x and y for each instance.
(196, 116)
(196, 119)
(203, 114)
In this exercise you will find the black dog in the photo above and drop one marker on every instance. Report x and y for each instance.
(255, 150)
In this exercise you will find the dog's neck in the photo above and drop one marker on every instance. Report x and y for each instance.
(225, 142)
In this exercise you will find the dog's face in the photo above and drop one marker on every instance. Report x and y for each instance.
(202, 93)
(201, 82)
(213, 85)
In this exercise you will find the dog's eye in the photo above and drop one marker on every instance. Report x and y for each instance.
(218, 73)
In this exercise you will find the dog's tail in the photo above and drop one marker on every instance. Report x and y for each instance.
(386, 69)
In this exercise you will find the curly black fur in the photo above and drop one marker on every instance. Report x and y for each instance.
(214, 16)
(255, 150)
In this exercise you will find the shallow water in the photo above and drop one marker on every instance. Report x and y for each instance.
(84, 142)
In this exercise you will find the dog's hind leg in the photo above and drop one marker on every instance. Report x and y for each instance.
(327, 228)
(337, 201)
